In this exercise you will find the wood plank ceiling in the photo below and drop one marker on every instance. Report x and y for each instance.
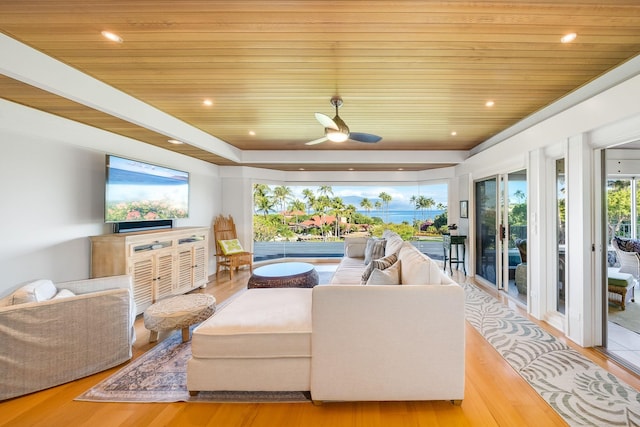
(413, 72)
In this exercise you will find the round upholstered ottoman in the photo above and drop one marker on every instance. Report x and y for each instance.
(178, 312)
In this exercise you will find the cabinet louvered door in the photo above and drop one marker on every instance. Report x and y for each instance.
(142, 272)
(200, 273)
(164, 276)
(185, 271)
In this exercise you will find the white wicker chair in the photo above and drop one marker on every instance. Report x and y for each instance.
(629, 261)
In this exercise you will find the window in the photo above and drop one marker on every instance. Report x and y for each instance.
(312, 221)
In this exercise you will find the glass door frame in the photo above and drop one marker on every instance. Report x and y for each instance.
(501, 228)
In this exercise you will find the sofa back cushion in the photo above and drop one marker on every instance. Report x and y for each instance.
(417, 268)
(394, 242)
(354, 247)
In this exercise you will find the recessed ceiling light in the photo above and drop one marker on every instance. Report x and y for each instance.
(400, 169)
(252, 133)
(112, 36)
(568, 38)
(207, 103)
(350, 169)
(490, 103)
(300, 169)
(454, 133)
(175, 141)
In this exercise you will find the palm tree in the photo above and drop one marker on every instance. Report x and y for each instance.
(366, 205)
(412, 200)
(281, 195)
(337, 208)
(263, 204)
(310, 198)
(349, 211)
(262, 201)
(386, 198)
(320, 206)
(325, 190)
(297, 205)
(378, 206)
(424, 203)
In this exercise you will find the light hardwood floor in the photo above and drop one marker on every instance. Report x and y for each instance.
(495, 395)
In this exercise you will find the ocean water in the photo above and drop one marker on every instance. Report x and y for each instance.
(399, 216)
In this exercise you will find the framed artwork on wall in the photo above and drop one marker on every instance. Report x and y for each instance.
(464, 209)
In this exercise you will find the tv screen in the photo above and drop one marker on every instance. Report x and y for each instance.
(138, 191)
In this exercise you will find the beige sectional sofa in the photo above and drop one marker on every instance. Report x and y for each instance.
(341, 342)
(415, 268)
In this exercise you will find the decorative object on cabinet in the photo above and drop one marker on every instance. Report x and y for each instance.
(162, 262)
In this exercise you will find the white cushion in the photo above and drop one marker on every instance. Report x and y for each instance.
(375, 249)
(417, 268)
(389, 276)
(394, 243)
(260, 323)
(349, 272)
(354, 247)
(64, 293)
(380, 264)
(39, 290)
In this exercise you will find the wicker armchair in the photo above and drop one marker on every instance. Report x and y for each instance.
(224, 229)
(627, 255)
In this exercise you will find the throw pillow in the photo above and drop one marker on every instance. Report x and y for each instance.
(380, 264)
(39, 290)
(229, 247)
(374, 249)
(390, 276)
(64, 293)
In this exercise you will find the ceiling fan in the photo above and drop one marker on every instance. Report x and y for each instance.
(336, 129)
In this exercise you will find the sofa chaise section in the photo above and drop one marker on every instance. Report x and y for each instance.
(261, 341)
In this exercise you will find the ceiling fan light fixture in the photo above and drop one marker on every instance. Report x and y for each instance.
(336, 135)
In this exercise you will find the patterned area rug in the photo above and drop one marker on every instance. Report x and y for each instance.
(579, 390)
(160, 375)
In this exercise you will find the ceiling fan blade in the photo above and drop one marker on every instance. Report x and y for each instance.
(364, 137)
(326, 121)
(317, 141)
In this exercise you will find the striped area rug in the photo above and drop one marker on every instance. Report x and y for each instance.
(579, 390)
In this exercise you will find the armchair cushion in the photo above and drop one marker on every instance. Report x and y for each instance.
(36, 291)
(230, 247)
(64, 293)
(627, 245)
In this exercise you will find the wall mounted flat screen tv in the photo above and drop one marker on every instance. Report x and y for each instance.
(139, 191)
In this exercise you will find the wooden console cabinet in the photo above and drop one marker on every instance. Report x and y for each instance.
(161, 262)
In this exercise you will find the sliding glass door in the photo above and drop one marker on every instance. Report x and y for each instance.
(486, 218)
(501, 227)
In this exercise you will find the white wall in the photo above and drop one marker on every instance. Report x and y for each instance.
(52, 192)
